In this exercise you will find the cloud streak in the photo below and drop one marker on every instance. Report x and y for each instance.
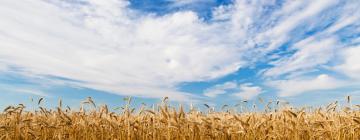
(220, 89)
(248, 91)
(244, 91)
(22, 90)
(298, 86)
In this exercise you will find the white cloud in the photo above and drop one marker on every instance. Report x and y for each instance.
(260, 30)
(22, 90)
(349, 16)
(318, 49)
(244, 91)
(220, 89)
(310, 53)
(113, 48)
(290, 17)
(295, 18)
(301, 85)
(351, 62)
(179, 3)
(31, 91)
(248, 91)
(109, 47)
(316, 52)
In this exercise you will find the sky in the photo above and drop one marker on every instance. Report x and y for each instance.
(217, 52)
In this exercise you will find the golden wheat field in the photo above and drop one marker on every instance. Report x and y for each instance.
(165, 122)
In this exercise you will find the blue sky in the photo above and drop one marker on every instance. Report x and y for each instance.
(193, 51)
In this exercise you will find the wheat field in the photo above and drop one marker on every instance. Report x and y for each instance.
(165, 122)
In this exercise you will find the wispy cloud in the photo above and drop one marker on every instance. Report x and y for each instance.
(31, 91)
(22, 90)
(309, 54)
(292, 14)
(321, 47)
(244, 91)
(302, 85)
(220, 89)
(248, 91)
(179, 3)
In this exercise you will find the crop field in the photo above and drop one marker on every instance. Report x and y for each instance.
(165, 122)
